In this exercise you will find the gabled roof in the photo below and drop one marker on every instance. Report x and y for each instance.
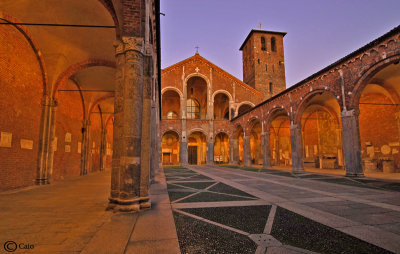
(215, 67)
(260, 31)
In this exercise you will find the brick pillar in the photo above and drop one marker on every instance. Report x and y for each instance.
(351, 143)
(266, 150)
(128, 110)
(297, 151)
(103, 143)
(246, 149)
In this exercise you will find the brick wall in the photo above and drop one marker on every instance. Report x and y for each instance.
(21, 92)
(69, 119)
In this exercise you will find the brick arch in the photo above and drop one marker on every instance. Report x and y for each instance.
(82, 98)
(111, 10)
(223, 92)
(304, 104)
(362, 82)
(272, 114)
(328, 110)
(11, 20)
(63, 77)
(173, 130)
(171, 88)
(196, 130)
(222, 131)
(250, 124)
(236, 129)
(105, 97)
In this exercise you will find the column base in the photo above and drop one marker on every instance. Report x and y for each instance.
(298, 170)
(42, 181)
(355, 175)
(129, 206)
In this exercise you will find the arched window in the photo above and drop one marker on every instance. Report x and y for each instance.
(263, 47)
(193, 109)
(273, 44)
(172, 115)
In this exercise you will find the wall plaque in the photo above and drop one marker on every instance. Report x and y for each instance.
(67, 148)
(26, 144)
(79, 147)
(68, 137)
(5, 139)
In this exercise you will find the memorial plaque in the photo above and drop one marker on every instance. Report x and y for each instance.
(5, 139)
(68, 137)
(79, 147)
(26, 144)
(67, 148)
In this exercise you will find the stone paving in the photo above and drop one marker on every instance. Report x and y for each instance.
(371, 215)
(205, 208)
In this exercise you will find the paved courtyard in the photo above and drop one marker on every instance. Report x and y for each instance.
(208, 210)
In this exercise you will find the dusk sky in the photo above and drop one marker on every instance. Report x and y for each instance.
(319, 32)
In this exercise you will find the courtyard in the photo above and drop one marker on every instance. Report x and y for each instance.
(209, 209)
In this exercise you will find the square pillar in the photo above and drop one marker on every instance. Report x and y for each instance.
(351, 143)
(246, 149)
(266, 151)
(297, 151)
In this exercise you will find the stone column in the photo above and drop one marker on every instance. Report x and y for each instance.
(351, 143)
(127, 172)
(266, 150)
(45, 151)
(297, 152)
(246, 149)
(103, 144)
(233, 151)
(210, 152)
(183, 157)
(155, 132)
(85, 147)
(50, 160)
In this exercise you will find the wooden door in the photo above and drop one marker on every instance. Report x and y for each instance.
(192, 155)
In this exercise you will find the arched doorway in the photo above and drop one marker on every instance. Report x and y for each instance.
(197, 148)
(321, 133)
(255, 143)
(221, 148)
(239, 145)
(170, 148)
(379, 121)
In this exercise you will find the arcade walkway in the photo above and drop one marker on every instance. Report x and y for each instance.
(69, 216)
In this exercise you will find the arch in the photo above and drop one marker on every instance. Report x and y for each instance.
(11, 20)
(254, 133)
(105, 97)
(63, 77)
(171, 88)
(171, 130)
(306, 99)
(82, 98)
(244, 104)
(198, 87)
(221, 147)
(221, 105)
(110, 8)
(224, 92)
(171, 101)
(275, 112)
(197, 147)
(196, 130)
(170, 147)
(362, 82)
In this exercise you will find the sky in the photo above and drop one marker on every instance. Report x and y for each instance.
(319, 32)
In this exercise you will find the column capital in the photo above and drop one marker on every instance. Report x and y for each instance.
(129, 44)
(350, 113)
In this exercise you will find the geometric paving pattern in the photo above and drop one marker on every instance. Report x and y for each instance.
(212, 217)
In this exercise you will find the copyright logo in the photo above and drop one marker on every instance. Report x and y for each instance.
(10, 246)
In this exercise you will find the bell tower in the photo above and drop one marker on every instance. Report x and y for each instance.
(263, 62)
